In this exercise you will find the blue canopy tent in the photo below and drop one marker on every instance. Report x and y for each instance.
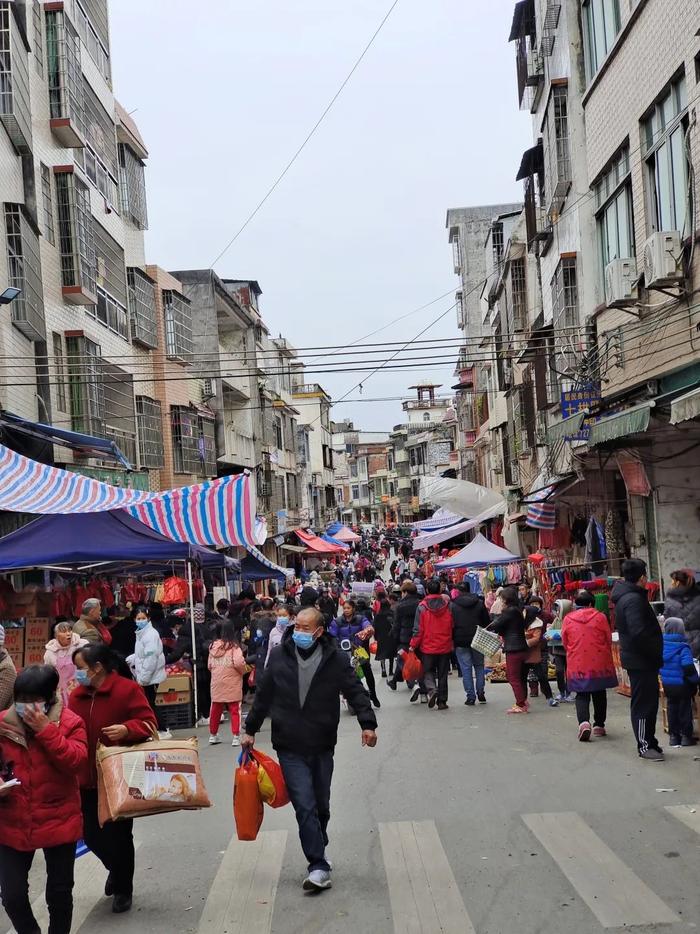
(333, 541)
(254, 570)
(479, 553)
(87, 444)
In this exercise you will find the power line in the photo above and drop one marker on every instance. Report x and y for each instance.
(308, 136)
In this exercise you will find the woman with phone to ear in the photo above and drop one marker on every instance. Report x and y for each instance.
(43, 747)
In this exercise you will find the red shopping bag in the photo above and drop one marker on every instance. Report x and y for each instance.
(412, 667)
(175, 590)
(373, 647)
(276, 776)
(247, 803)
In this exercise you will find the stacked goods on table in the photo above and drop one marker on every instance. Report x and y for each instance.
(174, 698)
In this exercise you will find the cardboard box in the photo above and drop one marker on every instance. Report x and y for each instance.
(14, 641)
(30, 604)
(37, 631)
(175, 683)
(172, 697)
(34, 655)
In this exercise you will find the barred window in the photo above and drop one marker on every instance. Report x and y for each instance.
(87, 400)
(59, 365)
(24, 272)
(94, 31)
(518, 294)
(110, 309)
(178, 326)
(185, 439)
(75, 233)
(206, 445)
(101, 159)
(565, 294)
(38, 38)
(150, 432)
(142, 307)
(66, 90)
(132, 187)
(47, 200)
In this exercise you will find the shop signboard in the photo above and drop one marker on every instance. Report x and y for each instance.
(585, 396)
(128, 479)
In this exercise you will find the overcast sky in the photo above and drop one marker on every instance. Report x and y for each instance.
(224, 91)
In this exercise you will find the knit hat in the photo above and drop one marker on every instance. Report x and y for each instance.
(2, 635)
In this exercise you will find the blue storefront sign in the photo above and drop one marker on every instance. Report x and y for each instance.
(585, 396)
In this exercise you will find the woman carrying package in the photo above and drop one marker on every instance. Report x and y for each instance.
(115, 711)
(227, 667)
(43, 747)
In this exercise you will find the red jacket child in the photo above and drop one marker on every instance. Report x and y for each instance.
(44, 811)
(434, 626)
(116, 700)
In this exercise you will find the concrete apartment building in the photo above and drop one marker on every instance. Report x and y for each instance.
(74, 213)
(314, 406)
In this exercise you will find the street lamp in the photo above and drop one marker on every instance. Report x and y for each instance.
(9, 295)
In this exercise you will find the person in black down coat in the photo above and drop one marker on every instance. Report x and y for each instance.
(468, 612)
(641, 653)
(402, 631)
(683, 602)
(386, 646)
(299, 692)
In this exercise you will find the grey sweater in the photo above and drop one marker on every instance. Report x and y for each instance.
(307, 669)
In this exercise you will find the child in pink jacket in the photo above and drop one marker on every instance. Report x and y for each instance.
(227, 667)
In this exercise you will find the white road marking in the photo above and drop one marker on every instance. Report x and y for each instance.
(242, 897)
(689, 814)
(424, 895)
(615, 895)
(88, 890)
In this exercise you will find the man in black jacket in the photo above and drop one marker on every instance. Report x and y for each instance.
(641, 653)
(402, 633)
(299, 690)
(468, 612)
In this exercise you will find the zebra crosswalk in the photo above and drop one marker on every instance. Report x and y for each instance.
(425, 890)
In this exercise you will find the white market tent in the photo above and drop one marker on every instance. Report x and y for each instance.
(480, 552)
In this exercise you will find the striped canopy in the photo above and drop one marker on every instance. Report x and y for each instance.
(217, 513)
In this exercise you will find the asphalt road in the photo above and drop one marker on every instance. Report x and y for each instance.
(463, 820)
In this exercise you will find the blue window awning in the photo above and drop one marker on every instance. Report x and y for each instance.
(86, 444)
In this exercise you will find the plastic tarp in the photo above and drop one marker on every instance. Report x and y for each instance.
(334, 541)
(427, 539)
(686, 407)
(254, 570)
(89, 540)
(480, 552)
(342, 533)
(463, 497)
(439, 519)
(316, 545)
(87, 444)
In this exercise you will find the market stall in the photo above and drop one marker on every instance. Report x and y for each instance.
(342, 533)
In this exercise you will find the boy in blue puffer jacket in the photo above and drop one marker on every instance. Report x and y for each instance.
(680, 679)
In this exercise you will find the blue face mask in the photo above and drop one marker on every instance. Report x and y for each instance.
(304, 640)
(82, 676)
(141, 623)
(283, 622)
(21, 708)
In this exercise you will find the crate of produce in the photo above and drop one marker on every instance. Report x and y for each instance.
(177, 716)
(173, 697)
(175, 683)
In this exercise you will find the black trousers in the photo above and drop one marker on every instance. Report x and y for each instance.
(436, 672)
(680, 715)
(14, 883)
(112, 844)
(150, 690)
(369, 677)
(308, 780)
(644, 707)
(560, 667)
(600, 707)
(541, 673)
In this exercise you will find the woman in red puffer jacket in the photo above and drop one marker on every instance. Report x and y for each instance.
(43, 747)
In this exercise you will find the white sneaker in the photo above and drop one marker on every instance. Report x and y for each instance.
(236, 741)
(317, 880)
(214, 740)
(165, 734)
(203, 721)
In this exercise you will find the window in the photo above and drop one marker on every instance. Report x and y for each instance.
(497, 244)
(24, 272)
(602, 24)
(132, 187)
(663, 142)
(178, 326)
(142, 307)
(76, 236)
(119, 409)
(206, 446)
(426, 416)
(327, 457)
(110, 309)
(87, 398)
(97, 47)
(518, 295)
(355, 491)
(279, 434)
(47, 200)
(99, 159)
(66, 88)
(558, 145)
(59, 365)
(184, 428)
(15, 111)
(292, 494)
(149, 424)
(613, 204)
(38, 38)
(353, 469)
(565, 294)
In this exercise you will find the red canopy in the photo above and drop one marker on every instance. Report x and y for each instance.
(346, 535)
(316, 545)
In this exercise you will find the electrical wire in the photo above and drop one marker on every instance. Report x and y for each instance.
(308, 137)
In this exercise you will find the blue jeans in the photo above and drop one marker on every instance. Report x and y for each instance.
(469, 658)
(308, 780)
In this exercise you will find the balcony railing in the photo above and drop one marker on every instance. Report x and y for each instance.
(529, 66)
(481, 408)
(76, 240)
(15, 111)
(537, 223)
(66, 89)
(24, 272)
(304, 388)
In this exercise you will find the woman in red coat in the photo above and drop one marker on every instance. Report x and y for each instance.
(590, 670)
(115, 711)
(43, 747)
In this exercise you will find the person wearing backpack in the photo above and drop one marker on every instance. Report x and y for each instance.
(433, 631)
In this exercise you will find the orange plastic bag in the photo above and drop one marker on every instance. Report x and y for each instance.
(373, 648)
(175, 590)
(247, 803)
(274, 772)
(412, 667)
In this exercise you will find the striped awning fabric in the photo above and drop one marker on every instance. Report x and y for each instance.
(542, 516)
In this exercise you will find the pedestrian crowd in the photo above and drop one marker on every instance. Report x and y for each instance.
(291, 655)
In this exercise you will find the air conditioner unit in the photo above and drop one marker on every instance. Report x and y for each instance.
(208, 388)
(662, 258)
(619, 276)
